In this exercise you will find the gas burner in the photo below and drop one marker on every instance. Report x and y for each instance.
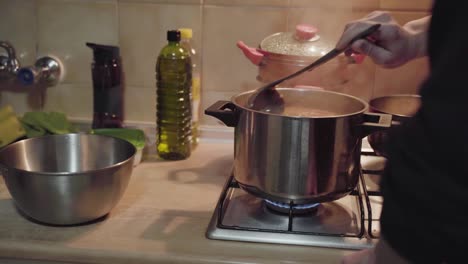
(296, 209)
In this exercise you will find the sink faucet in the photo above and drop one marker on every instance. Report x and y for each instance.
(47, 70)
(9, 65)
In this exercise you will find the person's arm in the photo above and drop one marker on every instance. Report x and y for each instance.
(392, 45)
(418, 30)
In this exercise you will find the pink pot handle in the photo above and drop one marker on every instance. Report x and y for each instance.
(357, 58)
(251, 53)
(354, 58)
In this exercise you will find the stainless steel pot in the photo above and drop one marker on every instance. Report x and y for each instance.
(300, 159)
(67, 179)
(401, 107)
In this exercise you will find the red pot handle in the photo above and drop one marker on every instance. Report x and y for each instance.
(357, 58)
(251, 53)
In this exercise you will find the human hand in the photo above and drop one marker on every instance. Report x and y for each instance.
(391, 45)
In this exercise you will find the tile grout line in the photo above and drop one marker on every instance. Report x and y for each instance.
(42, 95)
(288, 14)
(117, 9)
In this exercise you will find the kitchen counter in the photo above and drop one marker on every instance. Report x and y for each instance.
(162, 218)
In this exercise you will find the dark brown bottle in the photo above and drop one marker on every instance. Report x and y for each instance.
(108, 86)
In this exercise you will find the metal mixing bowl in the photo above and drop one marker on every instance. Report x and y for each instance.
(67, 179)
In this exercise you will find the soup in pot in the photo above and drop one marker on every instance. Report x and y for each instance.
(303, 111)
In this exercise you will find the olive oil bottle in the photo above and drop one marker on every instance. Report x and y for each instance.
(173, 106)
(188, 43)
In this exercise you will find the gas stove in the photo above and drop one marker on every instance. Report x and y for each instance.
(351, 222)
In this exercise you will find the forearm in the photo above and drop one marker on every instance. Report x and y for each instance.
(418, 29)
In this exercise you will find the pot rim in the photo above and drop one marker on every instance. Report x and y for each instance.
(64, 173)
(376, 109)
(364, 103)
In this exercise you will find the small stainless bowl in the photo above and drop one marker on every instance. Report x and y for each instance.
(67, 179)
(401, 107)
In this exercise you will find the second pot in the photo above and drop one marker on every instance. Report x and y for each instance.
(401, 107)
(308, 154)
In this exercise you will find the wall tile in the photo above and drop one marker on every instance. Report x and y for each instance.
(75, 100)
(423, 5)
(18, 26)
(338, 4)
(172, 2)
(402, 80)
(278, 3)
(224, 66)
(143, 30)
(21, 102)
(65, 26)
(405, 17)
(140, 104)
(61, 28)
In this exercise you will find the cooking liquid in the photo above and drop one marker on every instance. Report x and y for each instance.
(302, 111)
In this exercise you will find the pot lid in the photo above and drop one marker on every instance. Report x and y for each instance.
(304, 41)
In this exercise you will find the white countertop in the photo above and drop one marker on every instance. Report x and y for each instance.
(162, 218)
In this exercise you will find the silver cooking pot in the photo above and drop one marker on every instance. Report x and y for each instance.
(286, 158)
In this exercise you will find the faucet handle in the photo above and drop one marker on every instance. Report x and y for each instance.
(8, 65)
(46, 70)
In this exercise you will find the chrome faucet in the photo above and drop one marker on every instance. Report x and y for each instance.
(9, 65)
(46, 70)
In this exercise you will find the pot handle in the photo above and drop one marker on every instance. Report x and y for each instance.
(224, 111)
(252, 54)
(374, 122)
(356, 58)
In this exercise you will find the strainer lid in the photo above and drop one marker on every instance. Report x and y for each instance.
(304, 41)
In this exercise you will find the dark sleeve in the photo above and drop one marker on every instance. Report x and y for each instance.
(425, 185)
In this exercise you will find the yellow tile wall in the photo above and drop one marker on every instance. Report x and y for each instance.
(138, 27)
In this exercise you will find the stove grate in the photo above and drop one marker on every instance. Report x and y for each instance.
(361, 193)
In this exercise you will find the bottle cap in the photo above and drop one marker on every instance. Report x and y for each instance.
(104, 53)
(186, 33)
(173, 35)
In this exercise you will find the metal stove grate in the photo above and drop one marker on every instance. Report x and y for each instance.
(361, 193)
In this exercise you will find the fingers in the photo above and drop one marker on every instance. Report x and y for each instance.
(351, 30)
(388, 32)
(378, 54)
